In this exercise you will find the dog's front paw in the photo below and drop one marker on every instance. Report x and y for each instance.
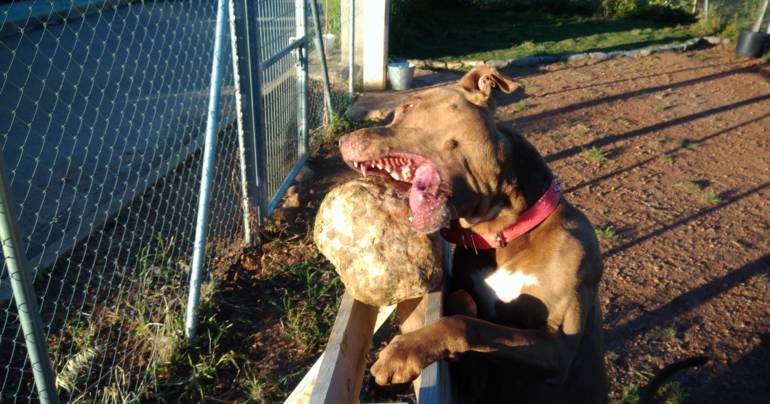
(403, 359)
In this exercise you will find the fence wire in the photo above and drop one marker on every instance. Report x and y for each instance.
(102, 115)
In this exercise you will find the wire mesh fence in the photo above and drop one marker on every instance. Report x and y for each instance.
(102, 118)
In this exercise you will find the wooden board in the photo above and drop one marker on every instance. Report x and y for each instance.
(304, 389)
(337, 375)
(433, 386)
(341, 371)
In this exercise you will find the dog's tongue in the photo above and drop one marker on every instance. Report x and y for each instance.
(427, 207)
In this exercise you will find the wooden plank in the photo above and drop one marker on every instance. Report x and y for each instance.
(301, 393)
(433, 386)
(341, 371)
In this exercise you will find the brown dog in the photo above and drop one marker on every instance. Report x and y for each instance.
(527, 321)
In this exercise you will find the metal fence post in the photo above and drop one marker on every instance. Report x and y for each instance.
(302, 82)
(352, 49)
(248, 44)
(23, 294)
(209, 155)
(246, 204)
(319, 43)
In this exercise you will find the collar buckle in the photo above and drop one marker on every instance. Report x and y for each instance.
(500, 238)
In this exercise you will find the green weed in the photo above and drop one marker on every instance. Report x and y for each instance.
(595, 154)
(712, 198)
(673, 393)
(665, 334)
(519, 106)
(338, 126)
(606, 233)
(630, 394)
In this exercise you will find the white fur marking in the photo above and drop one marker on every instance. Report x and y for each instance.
(507, 285)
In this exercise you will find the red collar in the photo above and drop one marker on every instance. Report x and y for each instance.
(533, 216)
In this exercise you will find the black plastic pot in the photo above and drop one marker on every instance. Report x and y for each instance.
(750, 43)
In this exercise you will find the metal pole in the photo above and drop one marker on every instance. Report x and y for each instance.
(209, 154)
(24, 295)
(248, 43)
(319, 43)
(758, 23)
(302, 61)
(245, 205)
(352, 48)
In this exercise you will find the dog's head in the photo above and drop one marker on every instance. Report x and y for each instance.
(444, 144)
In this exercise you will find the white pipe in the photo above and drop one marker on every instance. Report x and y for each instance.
(758, 24)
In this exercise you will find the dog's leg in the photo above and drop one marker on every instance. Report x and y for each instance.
(406, 355)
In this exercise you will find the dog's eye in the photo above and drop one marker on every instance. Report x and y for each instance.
(451, 144)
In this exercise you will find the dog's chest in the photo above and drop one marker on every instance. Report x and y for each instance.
(504, 296)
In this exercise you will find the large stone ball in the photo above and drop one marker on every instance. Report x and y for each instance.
(362, 227)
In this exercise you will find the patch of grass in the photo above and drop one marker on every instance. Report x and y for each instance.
(630, 394)
(519, 106)
(304, 320)
(664, 158)
(611, 356)
(673, 393)
(257, 389)
(665, 333)
(761, 279)
(690, 186)
(72, 373)
(338, 126)
(669, 141)
(208, 361)
(692, 146)
(581, 130)
(606, 233)
(519, 34)
(712, 198)
(595, 154)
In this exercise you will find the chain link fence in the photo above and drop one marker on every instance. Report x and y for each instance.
(103, 108)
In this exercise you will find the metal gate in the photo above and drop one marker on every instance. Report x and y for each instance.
(273, 46)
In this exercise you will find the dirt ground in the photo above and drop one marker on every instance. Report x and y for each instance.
(686, 186)
(668, 155)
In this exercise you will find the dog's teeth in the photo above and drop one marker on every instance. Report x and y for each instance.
(410, 219)
(363, 169)
(379, 166)
(405, 172)
(395, 176)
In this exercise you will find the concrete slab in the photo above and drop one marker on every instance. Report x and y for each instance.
(377, 105)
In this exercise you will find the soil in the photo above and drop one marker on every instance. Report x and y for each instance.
(686, 275)
(685, 185)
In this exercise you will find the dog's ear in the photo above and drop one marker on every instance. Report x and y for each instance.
(479, 82)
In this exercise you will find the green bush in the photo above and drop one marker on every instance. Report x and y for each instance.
(728, 17)
(664, 11)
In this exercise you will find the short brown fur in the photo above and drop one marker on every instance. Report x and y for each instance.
(544, 346)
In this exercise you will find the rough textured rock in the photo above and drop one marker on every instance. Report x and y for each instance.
(362, 227)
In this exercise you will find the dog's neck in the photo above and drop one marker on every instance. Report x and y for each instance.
(524, 178)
